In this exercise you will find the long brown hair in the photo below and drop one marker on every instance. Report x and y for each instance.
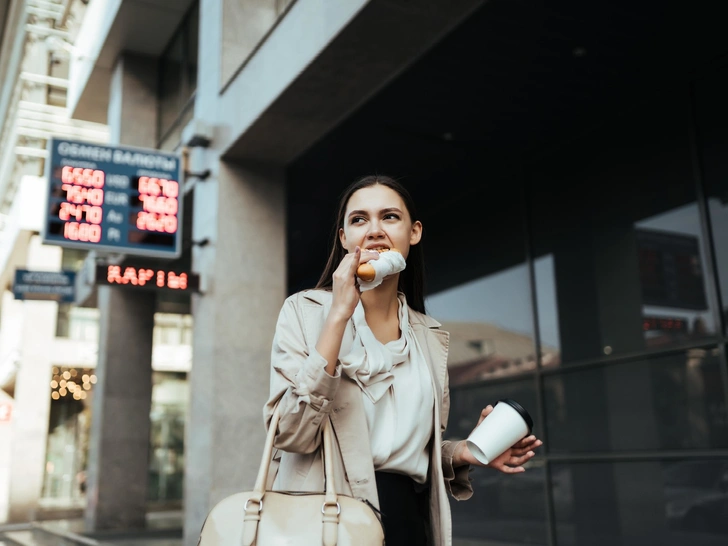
(412, 279)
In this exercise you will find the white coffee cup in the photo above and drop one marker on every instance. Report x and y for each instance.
(505, 425)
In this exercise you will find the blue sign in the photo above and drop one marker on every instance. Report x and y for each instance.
(45, 285)
(114, 199)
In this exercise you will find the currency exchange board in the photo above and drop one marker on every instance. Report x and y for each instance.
(113, 199)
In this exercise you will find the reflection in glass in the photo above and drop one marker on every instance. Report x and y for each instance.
(671, 266)
(625, 271)
(490, 325)
(505, 509)
(697, 496)
(668, 402)
(711, 112)
(667, 503)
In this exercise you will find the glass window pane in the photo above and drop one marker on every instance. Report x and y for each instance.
(172, 92)
(504, 509)
(668, 402)
(170, 392)
(712, 119)
(481, 284)
(466, 403)
(619, 254)
(666, 503)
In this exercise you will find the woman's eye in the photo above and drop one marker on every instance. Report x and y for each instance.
(357, 219)
(391, 215)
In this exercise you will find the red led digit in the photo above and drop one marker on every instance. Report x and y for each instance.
(170, 188)
(94, 214)
(75, 231)
(98, 179)
(160, 279)
(65, 212)
(149, 185)
(67, 175)
(170, 224)
(96, 197)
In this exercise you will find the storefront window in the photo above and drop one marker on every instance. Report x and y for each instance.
(71, 392)
(170, 393)
(620, 256)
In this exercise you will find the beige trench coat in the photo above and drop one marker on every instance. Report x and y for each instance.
(298, 371)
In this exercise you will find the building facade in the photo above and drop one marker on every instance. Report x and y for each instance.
(568, 165)
(49, 349)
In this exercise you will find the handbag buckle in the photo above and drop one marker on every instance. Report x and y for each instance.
(338, 507)
(260, 504)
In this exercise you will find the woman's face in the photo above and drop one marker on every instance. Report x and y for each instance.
(376, 217)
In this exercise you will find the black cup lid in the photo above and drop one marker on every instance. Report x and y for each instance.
(521, 410)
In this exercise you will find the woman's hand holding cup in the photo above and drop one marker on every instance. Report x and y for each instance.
(510, 461)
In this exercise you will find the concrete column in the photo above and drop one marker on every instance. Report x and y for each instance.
(119, 444)
(120, 427)
(242, 212)
(32, 393)
(132, 116)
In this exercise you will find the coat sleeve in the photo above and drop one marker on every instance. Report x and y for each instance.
(457, 479)
(299, 384)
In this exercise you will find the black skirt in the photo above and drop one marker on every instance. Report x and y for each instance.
(405, 508)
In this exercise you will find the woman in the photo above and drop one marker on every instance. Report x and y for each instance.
(376, 365)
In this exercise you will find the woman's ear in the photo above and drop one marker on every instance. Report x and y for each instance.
(342, 237)
(416, 234)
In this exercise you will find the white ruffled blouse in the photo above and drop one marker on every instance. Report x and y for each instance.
(398, 396)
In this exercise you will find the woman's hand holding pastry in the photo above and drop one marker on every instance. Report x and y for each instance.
(345, 291)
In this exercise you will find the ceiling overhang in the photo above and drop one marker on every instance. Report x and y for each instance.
(108, 29)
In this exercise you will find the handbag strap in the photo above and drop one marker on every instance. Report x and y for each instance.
(330, 508)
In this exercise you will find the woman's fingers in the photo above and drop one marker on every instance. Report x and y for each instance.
(368, 256)
(516, 460)
(484, 413)
(347, 267)
(512, 469)
(355, 259)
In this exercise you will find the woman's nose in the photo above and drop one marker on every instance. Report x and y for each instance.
(375, 230)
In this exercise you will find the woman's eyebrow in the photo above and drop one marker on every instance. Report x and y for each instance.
(365, 213)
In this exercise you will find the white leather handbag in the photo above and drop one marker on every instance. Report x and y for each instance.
(278, 518)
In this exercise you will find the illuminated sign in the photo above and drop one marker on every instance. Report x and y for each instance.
(670, 269)
(44, 285)
(149, 278)
(664, 324)
(115, 199)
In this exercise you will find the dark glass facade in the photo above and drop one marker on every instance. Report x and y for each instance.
(609, 326)
(569, 162)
